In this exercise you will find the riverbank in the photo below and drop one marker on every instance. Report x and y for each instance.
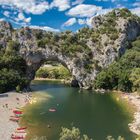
(8, 102)
(134, 126)
(64, 81)
(133, 100)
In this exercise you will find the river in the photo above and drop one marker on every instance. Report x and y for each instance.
(94, 114)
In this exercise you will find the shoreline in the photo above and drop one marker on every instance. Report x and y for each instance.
(8, 127)
(13, 100)
(133, 100)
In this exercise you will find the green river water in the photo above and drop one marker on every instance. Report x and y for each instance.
(94, 114)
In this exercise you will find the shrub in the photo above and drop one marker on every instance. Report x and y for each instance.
(72, 134)
(135, 79)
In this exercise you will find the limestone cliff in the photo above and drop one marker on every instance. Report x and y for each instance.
(84, 53)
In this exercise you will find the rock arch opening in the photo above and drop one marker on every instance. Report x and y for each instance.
(53, 70)
(52, 67)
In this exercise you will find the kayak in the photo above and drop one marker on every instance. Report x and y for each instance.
(14, 119)
(14, 116)
(17, 137)
(22, 128)
(19, 115)
(20, 131)
(52, 110)
(17, 112)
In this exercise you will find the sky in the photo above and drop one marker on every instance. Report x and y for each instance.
(59, 15)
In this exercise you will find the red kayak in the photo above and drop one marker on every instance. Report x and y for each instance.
(17, 137)
(22, 128)
(17, 112)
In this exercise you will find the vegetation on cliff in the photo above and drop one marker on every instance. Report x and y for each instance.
(123, 74)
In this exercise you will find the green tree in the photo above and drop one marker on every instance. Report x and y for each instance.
(135, 78)
(72, 134)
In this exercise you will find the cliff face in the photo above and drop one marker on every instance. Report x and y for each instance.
(84, 53)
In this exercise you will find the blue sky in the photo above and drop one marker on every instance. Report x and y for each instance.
(59, 15)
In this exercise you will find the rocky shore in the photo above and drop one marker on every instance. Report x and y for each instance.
(134, 100)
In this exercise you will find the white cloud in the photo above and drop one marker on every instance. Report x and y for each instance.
(6, 13)
(84, 10)
(81, 21)
(21, 17)
(77, 2)
(103, 11)
(28, 6)
(136, 4)
(89, 21)
(27, 20)
(70, 22)
(2, 19)
(45, 28)
(136, 11)
(62, 5)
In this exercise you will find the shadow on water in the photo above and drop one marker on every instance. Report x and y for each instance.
(94, 114)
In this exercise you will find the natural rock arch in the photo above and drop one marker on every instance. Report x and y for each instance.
(34, 60)
(104, 44)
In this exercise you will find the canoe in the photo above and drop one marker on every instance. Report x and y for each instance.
(20, 131)
(17, 112)
(19, 115)
(17, 137)
(14, 119)
(52, 109)
(19, 109)
(22, 128)
(14, 116)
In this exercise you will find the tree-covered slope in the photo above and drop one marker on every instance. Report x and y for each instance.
(123, 74)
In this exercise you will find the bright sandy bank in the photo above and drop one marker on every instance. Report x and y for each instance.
(7, 127)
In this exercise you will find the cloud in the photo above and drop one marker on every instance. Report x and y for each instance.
(103, 11)
(89, 21)
(77, 2)
(84, 10)
(45, 28)
(28, 6)
(136, 4)
(70, 22)
(135, 11)
(6, 13)
(21, 17)
(62, 5)
(82, 21)
(17, 18)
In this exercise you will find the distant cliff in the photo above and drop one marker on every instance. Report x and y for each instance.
(84, 53)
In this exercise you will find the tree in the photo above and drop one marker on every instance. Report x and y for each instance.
(72, 134)
(135, 78)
